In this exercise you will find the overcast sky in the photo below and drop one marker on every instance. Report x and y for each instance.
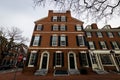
(21, 14)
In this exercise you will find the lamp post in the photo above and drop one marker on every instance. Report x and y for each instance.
(114, 60)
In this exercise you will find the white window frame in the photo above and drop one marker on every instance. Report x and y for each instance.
(114, 43)
(36, 40)
(110, 34)
(99, 34)
(78, 27)
(39, 27)
(54, 40)
(91, 45)
(62, 27)
(103, 44)
(89, 34)
(32, 57)
(81, 40)
(55, 27)
(63, 40)
(63, 18)
(54, 18)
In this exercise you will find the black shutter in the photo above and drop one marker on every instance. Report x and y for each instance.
(85, 42)
(54, 59)
(27, 60)
(32, 40)
(58, 40)
(106, 45)
(65, 28)
(35, 28)
(50, 40)
(100, 45)
(77, 41)
(66, 40)
(51, 19)
(112, 45)
(39, 40)
(42, 28)
(80, 59)
(75, 28)
(36, 59)
(94, 44)
(62, 59)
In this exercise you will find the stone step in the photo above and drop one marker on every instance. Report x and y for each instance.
(41, 72)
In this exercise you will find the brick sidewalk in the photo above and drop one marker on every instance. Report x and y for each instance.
(20, 76)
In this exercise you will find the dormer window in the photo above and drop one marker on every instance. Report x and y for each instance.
(106, 27)
(88, 27)
(39, 27)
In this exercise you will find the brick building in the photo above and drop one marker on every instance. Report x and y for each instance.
(104, 47)
(60, 45)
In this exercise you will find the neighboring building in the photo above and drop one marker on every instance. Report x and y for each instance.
(60, 45)
(15, 56)
(57, 44)
(104, 47)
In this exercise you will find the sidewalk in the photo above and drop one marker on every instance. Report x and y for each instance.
(19, 76)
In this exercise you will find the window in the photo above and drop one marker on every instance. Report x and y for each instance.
(63, 27)
(54, 18)
(115, 45)
(54, 40)
(55, 27)
(106, 59)
(99, 34)
(80, 40)
(106, 27)
(91, 45)
(32, 58)
(62, 40)
(103, 45)
(88, 34)
(110, 35)
(118, 33)
(93, 58)
(63, 18)
(36, 40)
(88, 27)
(83, 59)
(118, 58)
(39, 27)
(78, 27)
(58, 59)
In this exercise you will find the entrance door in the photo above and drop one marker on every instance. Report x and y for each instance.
(44, 64)
(71, 61)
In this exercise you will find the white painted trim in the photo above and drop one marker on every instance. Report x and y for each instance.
(42, 59)
(64, 48)
(80, 32)
(74, 60)
(30, 58)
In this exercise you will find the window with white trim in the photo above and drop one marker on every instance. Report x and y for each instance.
(99, 34)
(115, 45)
(106, 59)
(78, 27)
(55, 27)
(32, 58)
(36, 40)
(110, 34)
(80, 39)
(54, 40)
(54, 18)
(62, 40)
(88, 34)
(39, 27)
(91, 45)
(58, 59)
(63, 18)
(62, 27)
(103, 45)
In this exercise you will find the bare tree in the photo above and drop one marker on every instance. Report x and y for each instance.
(86, 9)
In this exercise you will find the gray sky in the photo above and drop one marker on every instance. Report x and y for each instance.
(21, 14)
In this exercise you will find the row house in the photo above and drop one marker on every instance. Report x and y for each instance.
(61, 46)
(104, 47)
